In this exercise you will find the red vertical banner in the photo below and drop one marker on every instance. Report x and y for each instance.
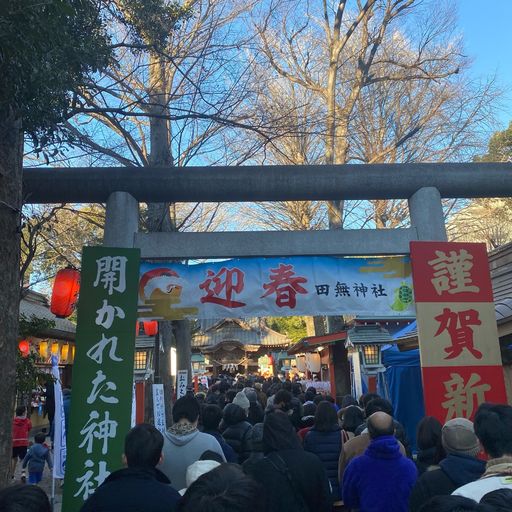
(140, 401)
(458, 337)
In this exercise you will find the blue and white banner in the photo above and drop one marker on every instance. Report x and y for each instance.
(276, 287)
(59, 440)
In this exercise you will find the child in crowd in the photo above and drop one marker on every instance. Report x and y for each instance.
(36, 457)
(21, 427)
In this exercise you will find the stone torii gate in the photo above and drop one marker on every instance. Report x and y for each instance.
(423, 185)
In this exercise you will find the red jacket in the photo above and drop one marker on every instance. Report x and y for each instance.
(20, 429)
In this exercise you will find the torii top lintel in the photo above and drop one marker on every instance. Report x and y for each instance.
(266, 183)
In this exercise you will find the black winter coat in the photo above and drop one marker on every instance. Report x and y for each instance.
(255, 414)
(297, 409)
(455, 471)
(237, 432)
(133, 490)
(427, 458)
(327, 447)
(305, 471)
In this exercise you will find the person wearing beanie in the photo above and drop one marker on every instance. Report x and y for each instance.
(262, 396)
(293, 479)
(197, 469)
(459, 467)
(307, 421)
(238, 429)
(256, 443)
(255, 413)
(493, 427)
(242, 401)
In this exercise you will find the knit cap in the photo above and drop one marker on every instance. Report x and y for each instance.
(250, 393)
(197, 469)
(242, 401)
(459, 438)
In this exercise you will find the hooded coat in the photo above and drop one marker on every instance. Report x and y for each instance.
(182, 450)
(294, 480)
(256, 443)
(21, 426)
(454, 471)
(133, 490)
(36, 457)
(381, 480)
(229, 453)
(237, 432)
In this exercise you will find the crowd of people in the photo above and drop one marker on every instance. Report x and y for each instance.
(273, 446)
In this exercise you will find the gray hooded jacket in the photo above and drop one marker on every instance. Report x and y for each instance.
(180, 451)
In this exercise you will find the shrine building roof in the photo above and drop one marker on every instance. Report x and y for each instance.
(250, 332)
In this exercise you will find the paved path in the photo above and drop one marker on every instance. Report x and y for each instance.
(45, 484)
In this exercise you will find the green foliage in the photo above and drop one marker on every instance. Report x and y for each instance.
(28, 374)
(33, 326)
(500, 147)
(46, 49)
(293, 326)
(151, 21)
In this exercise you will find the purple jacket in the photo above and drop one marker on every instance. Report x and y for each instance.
(381, 480)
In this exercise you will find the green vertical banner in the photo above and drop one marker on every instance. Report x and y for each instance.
(101, 400)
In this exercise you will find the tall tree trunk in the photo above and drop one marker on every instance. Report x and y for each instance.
(380, 213)
(160, 219)
(11, 155)
(336, 151)
(315, 325)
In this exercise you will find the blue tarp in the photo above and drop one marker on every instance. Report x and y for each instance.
(406, 330)
(402, 381)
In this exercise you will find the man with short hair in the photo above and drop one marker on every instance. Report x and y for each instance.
(380, 480)
(358, 444)
(493, 427)
(183, 443)
(140, 486)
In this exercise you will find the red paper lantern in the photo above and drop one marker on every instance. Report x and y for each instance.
(150, 327)
(24, 347)
(65, 292)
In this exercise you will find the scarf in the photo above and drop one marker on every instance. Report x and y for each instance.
(182, 429)
(498, 467)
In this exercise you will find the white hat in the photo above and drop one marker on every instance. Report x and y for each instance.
(242, 401)
(197, 469)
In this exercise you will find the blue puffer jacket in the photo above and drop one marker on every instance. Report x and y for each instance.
(327, 447)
